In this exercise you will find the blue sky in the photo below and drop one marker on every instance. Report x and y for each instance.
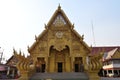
(21, 20)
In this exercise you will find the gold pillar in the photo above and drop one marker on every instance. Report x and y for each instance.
(84, 62)
(72, 64)
(46, 64)
(63, 69)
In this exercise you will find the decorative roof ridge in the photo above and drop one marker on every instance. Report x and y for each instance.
(81, 38)
(36, 40)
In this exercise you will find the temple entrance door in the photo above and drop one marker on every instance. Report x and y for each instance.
(76, 67)
(40, 64)
(43, 67)
(60, 66)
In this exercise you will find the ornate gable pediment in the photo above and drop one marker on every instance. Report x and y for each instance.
(59, 19)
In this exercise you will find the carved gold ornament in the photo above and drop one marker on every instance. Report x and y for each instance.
(59, 21)
(59, 34)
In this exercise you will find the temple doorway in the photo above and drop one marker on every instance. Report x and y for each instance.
(60, 67)
(40, 65)
(43, 68)
(78, 65)
(59, 61)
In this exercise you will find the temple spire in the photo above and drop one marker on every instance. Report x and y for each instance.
(59, 7)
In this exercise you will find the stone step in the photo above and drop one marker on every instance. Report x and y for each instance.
(60, 76)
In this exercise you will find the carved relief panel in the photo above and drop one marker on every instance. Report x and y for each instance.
(51, 34)
(42, 47)
(74, 37)
(59, 21)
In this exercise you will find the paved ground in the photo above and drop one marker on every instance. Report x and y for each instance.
(59, 76)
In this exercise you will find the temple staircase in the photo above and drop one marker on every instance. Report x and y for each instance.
(60, 76)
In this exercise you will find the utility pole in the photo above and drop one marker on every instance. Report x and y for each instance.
(93, 33)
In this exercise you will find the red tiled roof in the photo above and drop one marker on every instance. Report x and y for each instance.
(96, 50)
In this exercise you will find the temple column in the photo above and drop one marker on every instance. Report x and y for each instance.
(64, 62)
(64, 66)
(85, 63)
(72, 64)
(46, 64)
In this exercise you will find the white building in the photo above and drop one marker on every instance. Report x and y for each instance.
(111, 64)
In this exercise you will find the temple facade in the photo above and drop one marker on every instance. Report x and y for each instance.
(58, 49)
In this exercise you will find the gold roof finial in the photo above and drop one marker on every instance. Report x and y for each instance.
(14, 51)
(59, 7)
